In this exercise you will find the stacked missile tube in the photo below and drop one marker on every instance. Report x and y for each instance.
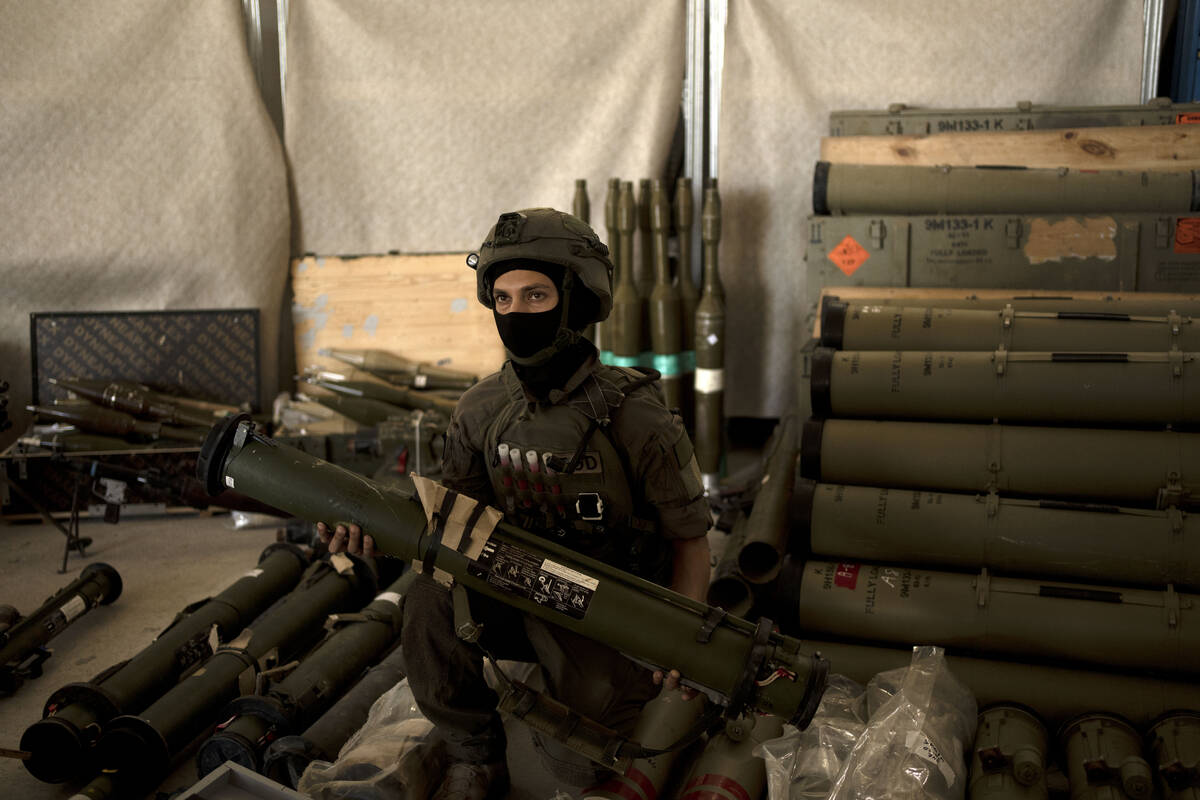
(1042, 529)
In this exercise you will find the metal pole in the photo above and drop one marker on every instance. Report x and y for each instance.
(693, 114)
(1152, 13)
(718, 15)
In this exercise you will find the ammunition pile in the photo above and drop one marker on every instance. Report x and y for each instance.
(660, 319)
(1079, 199)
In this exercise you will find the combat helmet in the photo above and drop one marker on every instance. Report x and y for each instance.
(548, 236)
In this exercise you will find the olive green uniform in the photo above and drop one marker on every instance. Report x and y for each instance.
(636, 460)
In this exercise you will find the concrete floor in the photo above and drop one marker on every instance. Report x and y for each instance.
(165, 563)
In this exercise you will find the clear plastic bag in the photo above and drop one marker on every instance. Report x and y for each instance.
(921, 720)
(802, 765)
(391, 757)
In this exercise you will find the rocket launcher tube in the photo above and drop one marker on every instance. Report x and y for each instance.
(133, 399)
(399, 370)
(710, 346)
(665, 304)
(76, 713)
(356, 641)
(861, 326)
(98, 584)
(1060, 387)
(624, 326)
(670, 631)
(767, 531)
(386, 393)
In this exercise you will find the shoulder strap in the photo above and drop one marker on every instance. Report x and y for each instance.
(605, 404)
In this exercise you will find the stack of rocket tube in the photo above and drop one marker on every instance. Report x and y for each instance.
(357, 641)
(665, 303)
(22, 644)
(60, 744)
(287, 757)
(137, 750)
(666, 635)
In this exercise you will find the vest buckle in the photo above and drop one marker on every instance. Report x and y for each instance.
(590, 507)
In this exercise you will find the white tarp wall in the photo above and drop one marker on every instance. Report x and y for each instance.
(139, 170)
(788, 63)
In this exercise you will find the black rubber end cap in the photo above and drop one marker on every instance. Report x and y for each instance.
(833, 322)
(810, 449)
(111, 576)
(818, 678)
(225, 746)
(134, 748)
(58, 751)
(820, 196)
(821, 378)
(210, 463)
(288, 756)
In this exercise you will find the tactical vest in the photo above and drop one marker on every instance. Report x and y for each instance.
(558, 472)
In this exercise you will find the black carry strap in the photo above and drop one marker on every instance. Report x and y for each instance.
(439, 530)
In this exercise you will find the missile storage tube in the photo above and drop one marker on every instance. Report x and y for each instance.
(1058, 693)
(1008, 759)
(318, 491)
(1102, 759)
(689, 297)
(767, 530)
(1136, 629)
(728, 768)
(1173, 744)
(1071, 388)
(140, 747)
(133, 399)
(846, 326)
(98, 584)
(664, 299)
(287, 757)
(662, 723)
(311, 688)
(1128, 467)
(868, 189)
(710, 346)
(363, 410)
(1043, 538)
(75, 714)
(624, 328)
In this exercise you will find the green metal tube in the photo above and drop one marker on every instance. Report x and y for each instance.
(662, 723)
(1008, 759)
(307, 691)
(1058, 693)
(689, 297)
(767, 531)
(611, 201)
(363, 410)
(75, 714)
(729, 589)
(624, 329)
(666, 636)
(402, 371)
(1070, 388)
(870, 189)
(983, 613)
(1141, 468)
(1042, 538)
(894, 327)
(98, 584)
(1131, 303)
(580, 205)
(665, 307)
(1102, 756)
(133, 399)
(643, 273)
(710, 346)
(141, 747)
(398, 396)
(73, 442)
(728, 767)
(1173, 742)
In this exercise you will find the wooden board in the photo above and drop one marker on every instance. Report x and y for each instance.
(421, 307)
(1153, 147)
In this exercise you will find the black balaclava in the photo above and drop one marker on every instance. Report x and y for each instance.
(545, 347)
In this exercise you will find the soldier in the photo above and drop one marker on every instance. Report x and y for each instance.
(585, 454)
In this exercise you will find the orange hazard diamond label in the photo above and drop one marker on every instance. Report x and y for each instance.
(1187, 235)
(1189, 118)
(849, 255)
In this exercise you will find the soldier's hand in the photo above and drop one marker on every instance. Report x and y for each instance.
(347, 539)
(672, 681)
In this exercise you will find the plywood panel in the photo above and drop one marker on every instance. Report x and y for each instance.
(1157, 147)
(418, 306)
